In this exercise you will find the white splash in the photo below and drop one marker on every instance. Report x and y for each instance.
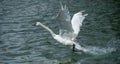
(98, 50)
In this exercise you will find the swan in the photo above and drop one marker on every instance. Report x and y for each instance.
(68, 28)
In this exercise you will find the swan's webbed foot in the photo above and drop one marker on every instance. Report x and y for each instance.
(73, 49)
(76, 50)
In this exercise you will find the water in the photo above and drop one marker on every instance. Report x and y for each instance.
(23, 43)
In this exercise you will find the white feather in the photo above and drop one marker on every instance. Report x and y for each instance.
(77, 21)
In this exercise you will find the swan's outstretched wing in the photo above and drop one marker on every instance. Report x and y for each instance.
(64, 20)
(77, 22)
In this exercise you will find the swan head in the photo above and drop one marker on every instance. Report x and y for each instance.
(37, 23)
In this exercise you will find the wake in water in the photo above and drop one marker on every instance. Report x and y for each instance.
(98, 50)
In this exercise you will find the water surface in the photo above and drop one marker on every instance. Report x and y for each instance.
(23, 43)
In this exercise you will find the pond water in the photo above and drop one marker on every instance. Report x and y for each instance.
(23, 43)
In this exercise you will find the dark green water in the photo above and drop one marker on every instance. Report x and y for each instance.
(23, 43)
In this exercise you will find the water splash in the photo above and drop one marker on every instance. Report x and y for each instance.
(98, 50)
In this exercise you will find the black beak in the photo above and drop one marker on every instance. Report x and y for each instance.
(34, 24)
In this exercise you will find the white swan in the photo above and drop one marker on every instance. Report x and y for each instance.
(69, 29)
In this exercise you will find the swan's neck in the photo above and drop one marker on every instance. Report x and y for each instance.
(51, 32)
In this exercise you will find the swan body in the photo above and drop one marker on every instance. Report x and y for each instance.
(63, 41)
(69, 28)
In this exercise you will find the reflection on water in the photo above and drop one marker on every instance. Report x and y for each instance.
(23, 43)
